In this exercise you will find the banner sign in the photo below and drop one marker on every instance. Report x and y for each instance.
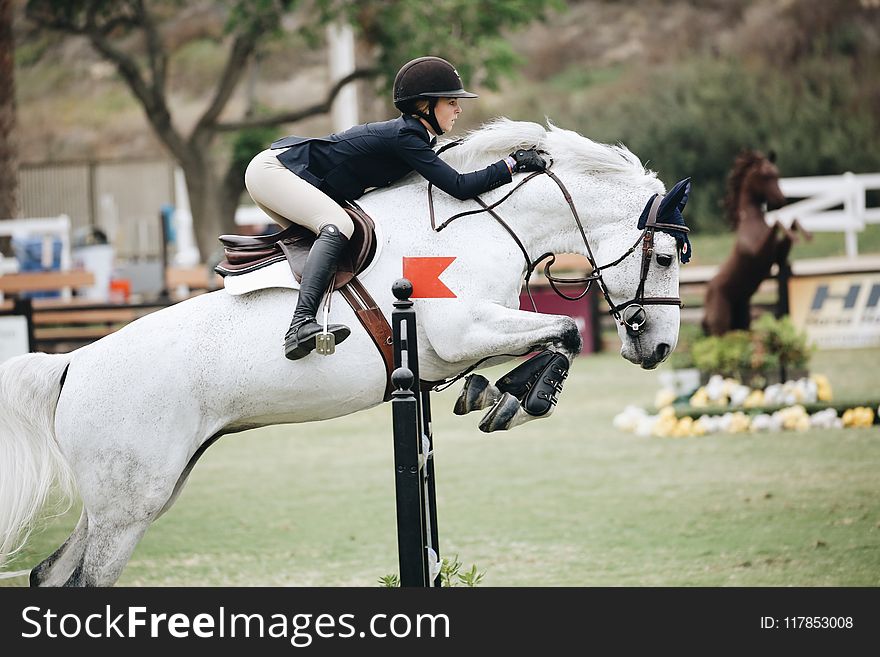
(837, 312)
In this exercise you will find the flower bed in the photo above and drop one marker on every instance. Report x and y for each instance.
(727, 406)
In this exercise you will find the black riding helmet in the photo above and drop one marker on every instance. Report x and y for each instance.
(430, 78)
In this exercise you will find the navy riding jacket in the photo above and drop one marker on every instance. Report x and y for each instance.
(346, 164)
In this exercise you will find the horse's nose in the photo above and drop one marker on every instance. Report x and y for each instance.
(662, 351)
(776, 200)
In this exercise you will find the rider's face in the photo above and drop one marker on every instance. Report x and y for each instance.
(446, 111)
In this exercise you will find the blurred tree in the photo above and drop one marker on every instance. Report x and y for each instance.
(470, 31)
(8, 146)
(692, 119)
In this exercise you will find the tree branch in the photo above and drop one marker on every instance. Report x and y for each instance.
(298, 115)
(158, 58)
(242, 49)
(40, 16)
(151, 98)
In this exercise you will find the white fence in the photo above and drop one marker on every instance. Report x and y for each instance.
(830, 204)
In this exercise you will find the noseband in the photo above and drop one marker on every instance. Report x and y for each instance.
(630, 314)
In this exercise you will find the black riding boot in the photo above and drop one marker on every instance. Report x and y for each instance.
(319, 269)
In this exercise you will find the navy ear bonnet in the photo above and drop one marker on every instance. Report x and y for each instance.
(670, 213)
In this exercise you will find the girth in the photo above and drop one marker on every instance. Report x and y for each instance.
(245, 254)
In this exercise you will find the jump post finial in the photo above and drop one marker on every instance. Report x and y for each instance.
(402, 289)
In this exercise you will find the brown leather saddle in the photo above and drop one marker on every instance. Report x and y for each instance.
(245, 254)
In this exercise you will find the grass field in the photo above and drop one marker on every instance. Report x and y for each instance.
(566, 501)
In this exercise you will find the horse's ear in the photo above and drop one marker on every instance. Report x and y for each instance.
(772, 157)
(676, 199)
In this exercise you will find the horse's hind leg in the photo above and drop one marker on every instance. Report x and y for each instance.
(119, 513)
(741, 315)
(57, 567)
(123, 491)
(716, 312)
(112, 537)
(109, 546)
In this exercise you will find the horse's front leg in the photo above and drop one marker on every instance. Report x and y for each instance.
(797, 228)
(783, 245)
(463, 333)
(467, 333)
(478, 393)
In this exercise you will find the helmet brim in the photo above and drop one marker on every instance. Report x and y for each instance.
(457, 93)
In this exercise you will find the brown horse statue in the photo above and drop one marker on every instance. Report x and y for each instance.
(752, 186)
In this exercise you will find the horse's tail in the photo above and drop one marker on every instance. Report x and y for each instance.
(30, 460)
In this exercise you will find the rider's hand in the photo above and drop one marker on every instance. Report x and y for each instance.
(528, 160)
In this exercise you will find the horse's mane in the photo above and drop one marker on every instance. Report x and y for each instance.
(568, 150)
(746, 159)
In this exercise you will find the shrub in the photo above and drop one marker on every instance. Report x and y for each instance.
(780, 338)
(771, 349)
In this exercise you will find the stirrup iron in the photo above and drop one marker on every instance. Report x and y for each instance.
(325, 342)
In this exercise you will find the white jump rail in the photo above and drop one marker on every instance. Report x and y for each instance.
(821, 195)
(48, 228)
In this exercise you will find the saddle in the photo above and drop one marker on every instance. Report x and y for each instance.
(245, 254)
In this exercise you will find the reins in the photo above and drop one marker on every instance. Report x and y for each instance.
(630, 314)
(646, 238)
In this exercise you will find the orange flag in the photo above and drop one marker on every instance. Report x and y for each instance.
(424, 274)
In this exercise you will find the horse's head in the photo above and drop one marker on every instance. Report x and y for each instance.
(642, 287)
(605, 188)
(754, 178)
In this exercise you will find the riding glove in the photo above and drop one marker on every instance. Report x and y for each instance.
(528, 160)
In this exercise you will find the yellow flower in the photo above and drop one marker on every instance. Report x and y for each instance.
(684, 427)
(860, 416)
(666, 422)
(700, 398)
(793, 417)
(864, 416)
(664, 428)
(823, 387)
(739, 422)
(755, 399)
(664, 397)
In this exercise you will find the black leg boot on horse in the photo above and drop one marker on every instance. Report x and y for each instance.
(319, 269)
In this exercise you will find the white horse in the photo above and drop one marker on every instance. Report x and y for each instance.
(123, 421)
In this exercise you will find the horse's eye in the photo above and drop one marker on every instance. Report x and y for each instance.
(664, 259)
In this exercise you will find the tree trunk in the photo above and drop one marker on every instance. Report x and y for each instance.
(212, 214)
(9, 207)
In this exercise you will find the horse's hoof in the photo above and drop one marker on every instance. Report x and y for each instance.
(477, 394)
(503, 414)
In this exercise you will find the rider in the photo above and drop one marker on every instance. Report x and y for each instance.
(302, 180)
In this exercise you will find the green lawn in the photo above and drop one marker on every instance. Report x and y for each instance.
(566, 501)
